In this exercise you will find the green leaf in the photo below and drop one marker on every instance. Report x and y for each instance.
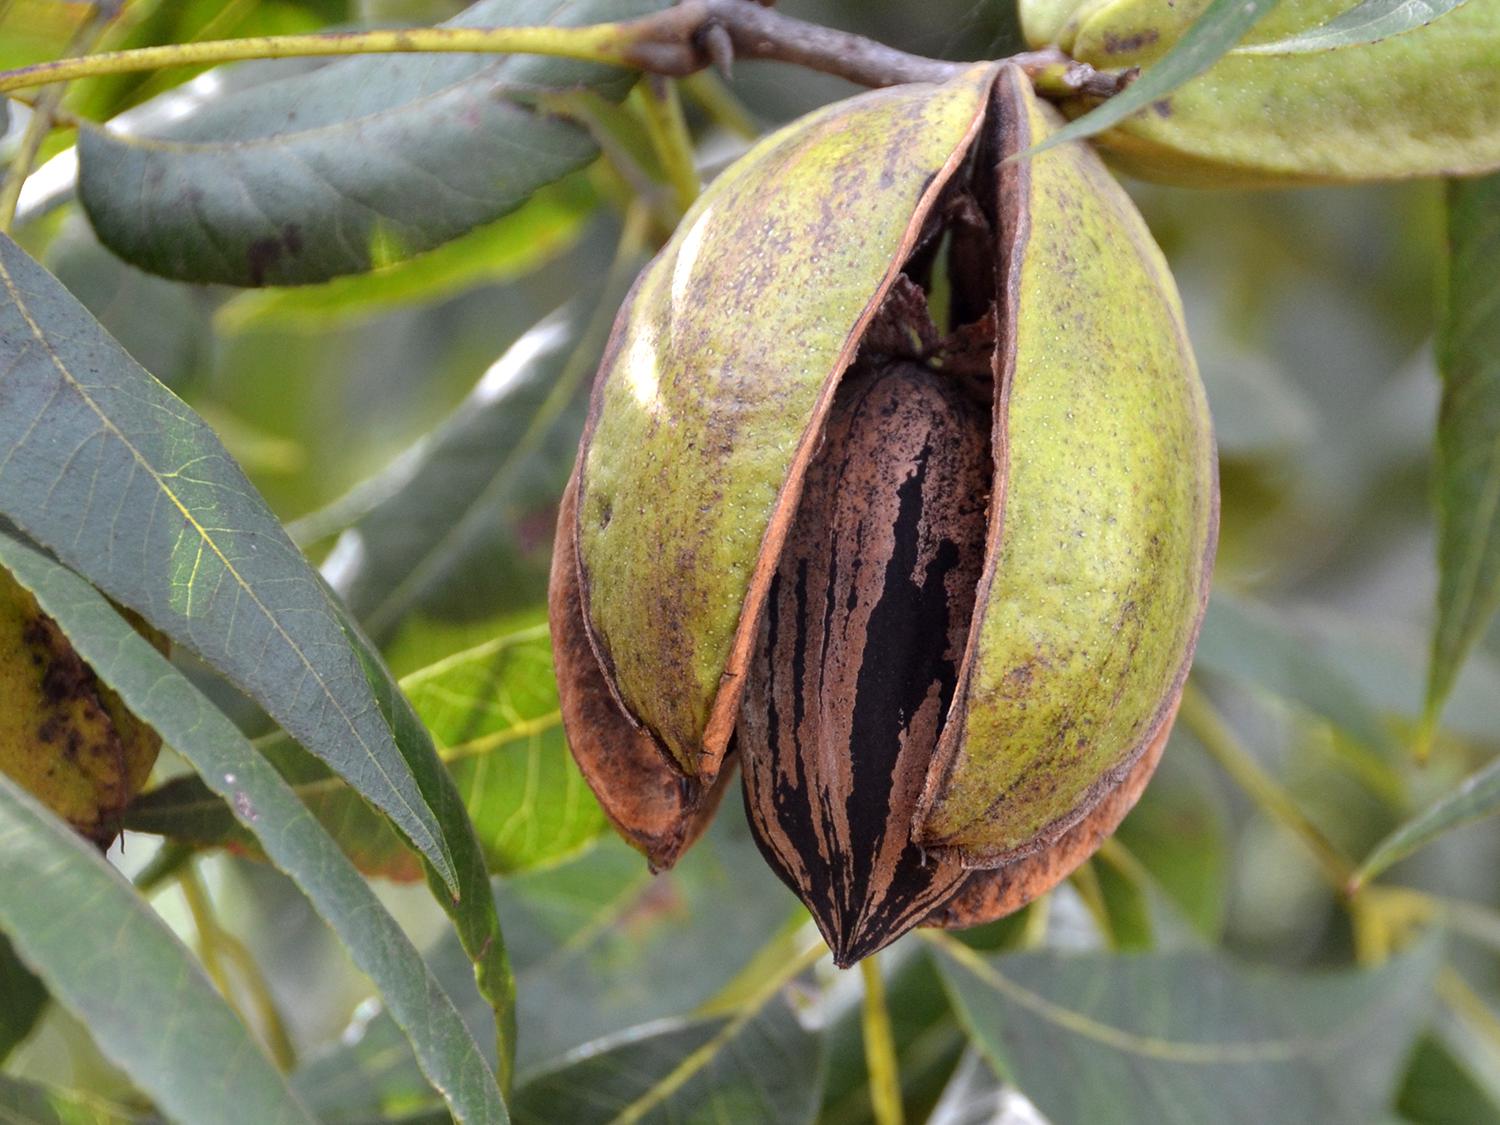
(461, 524)
(37, 32)
(353, 166)
(1222, 25)
(372, 1078)
(761, 1065)
(28, 1103)
(1191, 1036)
(1477, 798)
(184, 21)
(493, 713)
(146, 1001)
(543, 227)
(1441, 1088)
(1250, 642)
(107, 468)
(472, 907)
(1367, 22)
(25, 996)
(159, 694)
(1468, 435)
(598, 944)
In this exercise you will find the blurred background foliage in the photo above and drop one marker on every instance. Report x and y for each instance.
(413, 427)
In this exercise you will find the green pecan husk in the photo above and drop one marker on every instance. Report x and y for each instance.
(899, 479)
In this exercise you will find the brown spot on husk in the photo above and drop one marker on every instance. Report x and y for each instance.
(649, 800)
(988, 894)
(1130, 44)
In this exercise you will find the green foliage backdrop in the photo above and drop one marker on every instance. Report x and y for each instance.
(367, 869)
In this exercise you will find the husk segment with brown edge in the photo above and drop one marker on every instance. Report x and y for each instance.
(712, 402)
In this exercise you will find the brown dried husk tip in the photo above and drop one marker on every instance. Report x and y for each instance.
(942, 570)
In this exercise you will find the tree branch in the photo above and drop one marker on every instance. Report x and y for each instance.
(676, 41)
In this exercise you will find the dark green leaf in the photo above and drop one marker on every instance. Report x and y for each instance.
(1367, 22)
(1190, 1037)
(461, 525)
(104, 466)
(472, 907)
(27, 1103)
(358, 164)
(265, 805)
(601, 944)
(1440, 1088)
(544, 226)
(1468, 434)
(1222, 25)
(147, 1003)
(166, 327)
(23, 996)
(1252, 643)
(1477, 798)
(762, 1065)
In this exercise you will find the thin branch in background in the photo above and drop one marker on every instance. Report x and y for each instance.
(1085, 880)
(1201, 717)
(723, 108)
(215, 945)
(675, 42)
(1034, 930)
(1471, 1008)
(881, 1062)
(278, 1038)
(691, 1065)
(201, 909)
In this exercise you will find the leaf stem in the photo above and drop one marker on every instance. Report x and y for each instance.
(1204, 720)
(708, 90)
(661, 110)
(201, 909)
(880, 1047)
(278, 1039)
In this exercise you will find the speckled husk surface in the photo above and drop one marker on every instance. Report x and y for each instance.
(1099, 517)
